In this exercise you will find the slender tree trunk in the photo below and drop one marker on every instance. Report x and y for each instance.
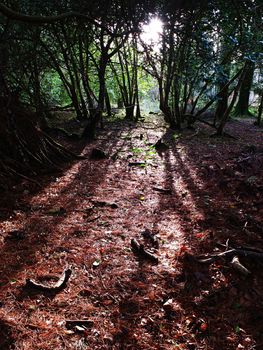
(37, 97)
(223, 96)
(129, 112)
(107, 103)
(96, 117)
(178, 119)
(260, 109)
(221, 104)
(120, 103)
(137, 101)
(163, 105)
(225, 117)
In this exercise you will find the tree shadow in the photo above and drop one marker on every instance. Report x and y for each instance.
(7, 341)
(124, 296)
(207, 212)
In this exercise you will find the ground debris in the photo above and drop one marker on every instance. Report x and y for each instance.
(79, 323)
(139, 304)
(239, 267)
(16, 235)
(102, 203)
(161, 146)
(139, 250)
(162, 190)
(98, 153)
(57, 287)
(151, 236)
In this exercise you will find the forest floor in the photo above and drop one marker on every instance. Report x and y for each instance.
(181, 201)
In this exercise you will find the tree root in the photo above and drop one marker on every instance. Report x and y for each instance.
(231, 253)
(234, 254)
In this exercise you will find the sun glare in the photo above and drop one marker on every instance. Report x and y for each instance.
(151, 31)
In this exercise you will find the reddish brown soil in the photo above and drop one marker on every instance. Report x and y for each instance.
(216, 195)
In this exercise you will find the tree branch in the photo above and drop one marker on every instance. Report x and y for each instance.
(37, 20)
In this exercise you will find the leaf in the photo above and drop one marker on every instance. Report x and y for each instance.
(176, 136)
(96, 263)
(183, 249)
(203, 327)
(237, 329)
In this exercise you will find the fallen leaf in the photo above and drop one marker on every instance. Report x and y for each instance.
(203, 327)
(96, 263)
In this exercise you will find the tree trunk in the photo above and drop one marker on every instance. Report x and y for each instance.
(129, 112)
(37, 97)
(24, 149)
(120, 103)
(163, 106)
(107, 103)
(225, 117)
(243, 100)
(96, 117)
(260, 109)
(221, 104)
(177, 112)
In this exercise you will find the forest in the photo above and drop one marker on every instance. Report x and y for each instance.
(131, 168)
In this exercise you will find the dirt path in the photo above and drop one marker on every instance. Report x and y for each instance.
(199, 191)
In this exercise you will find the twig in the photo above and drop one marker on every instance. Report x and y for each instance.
(74, 323)
(163, 190)
(231, 253)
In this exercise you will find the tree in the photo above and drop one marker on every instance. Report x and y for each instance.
(125, 70)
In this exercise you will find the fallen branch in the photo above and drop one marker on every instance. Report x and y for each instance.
(163, 190)
(139, 250)
(231, 253)
(57, 287)
(239, 267)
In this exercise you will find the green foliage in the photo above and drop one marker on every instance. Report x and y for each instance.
(201, 47)
(53, 89)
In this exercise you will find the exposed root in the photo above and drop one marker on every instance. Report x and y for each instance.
(55, 288)
(25, 150)
(239, 267)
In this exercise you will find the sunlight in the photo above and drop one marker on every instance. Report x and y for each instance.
(151, 31)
